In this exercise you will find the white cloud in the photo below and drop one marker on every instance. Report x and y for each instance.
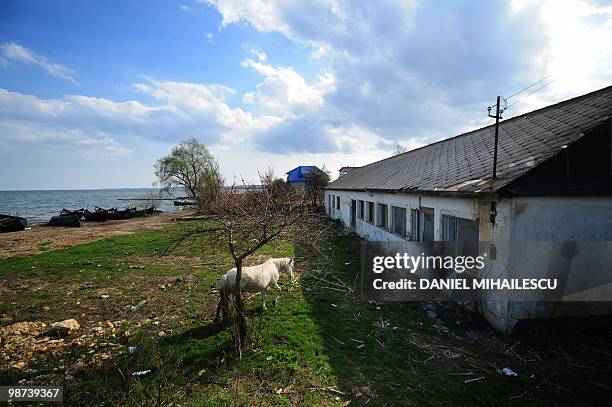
(261, 56)
(96, 143)
(578, 57)
(17, 53)
(179, 110)
(262, 15)
(284, 90)
(405, 72)
(409, 70)
(184, 7)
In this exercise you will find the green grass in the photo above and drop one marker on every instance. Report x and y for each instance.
(317, 346)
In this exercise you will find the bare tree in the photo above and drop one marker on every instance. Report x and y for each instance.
(249, 218)
(210, 185)
(400, 149)
(276, 186)
(316, 181)
(186, 165)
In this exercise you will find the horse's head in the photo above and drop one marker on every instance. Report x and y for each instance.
(287, 266)
(290, 268)
(284, 265)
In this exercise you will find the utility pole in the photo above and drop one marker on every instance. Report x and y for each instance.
(498, 113)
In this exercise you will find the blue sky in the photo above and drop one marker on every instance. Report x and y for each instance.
(91, 93)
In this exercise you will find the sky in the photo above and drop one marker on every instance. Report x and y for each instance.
(93, 93)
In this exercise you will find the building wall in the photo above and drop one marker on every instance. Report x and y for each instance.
(516, 219)
(558, 219)
(463, 208)
(561, 218)
(496, 312)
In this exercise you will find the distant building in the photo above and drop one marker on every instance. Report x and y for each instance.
(299, 175)
(345, 170)
(553, 185)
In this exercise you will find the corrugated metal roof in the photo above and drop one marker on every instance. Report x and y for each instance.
(464, 164)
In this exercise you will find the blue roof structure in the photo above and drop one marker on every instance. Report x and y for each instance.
(299, 174)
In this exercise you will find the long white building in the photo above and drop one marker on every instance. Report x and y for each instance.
(553, 183)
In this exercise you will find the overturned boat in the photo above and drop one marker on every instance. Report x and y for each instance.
(98, 215)
(66, 220)
(144, 212)
(10, 223)
(76, 212)
(184, 202)
(122, 214)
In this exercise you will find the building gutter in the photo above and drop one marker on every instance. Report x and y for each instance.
(449, 194)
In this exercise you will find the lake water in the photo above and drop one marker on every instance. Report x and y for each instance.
(40, 206)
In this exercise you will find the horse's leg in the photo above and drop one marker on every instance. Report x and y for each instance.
(263, 297)
(277, 289)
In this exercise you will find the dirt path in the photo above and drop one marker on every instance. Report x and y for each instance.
(29, 241)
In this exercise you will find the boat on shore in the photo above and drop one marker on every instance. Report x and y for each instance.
(10, 223)
(68, 212)
(184, 202)
(117, 214)
(144, 212)
(98, 215)
(101, 214)
(66, 220)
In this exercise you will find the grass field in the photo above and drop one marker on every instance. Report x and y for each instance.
(320, 345)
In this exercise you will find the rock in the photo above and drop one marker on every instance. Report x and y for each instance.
(23, 329)
(18, 365)
(63, 328)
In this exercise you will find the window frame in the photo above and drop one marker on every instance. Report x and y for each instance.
(415, 222)
(403, 229)
(382, 212)
(370, 212)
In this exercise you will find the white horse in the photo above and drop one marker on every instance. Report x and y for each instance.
(255, 278)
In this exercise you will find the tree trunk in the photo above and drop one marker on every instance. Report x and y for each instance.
(239, 328)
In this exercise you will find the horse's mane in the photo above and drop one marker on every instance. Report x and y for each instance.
(281, 261)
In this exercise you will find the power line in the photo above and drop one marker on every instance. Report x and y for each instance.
(583, 61)
(528, 87)
(531, 93)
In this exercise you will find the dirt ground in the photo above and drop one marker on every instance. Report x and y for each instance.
(53, 237)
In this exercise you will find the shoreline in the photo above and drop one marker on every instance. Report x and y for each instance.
(41, 237)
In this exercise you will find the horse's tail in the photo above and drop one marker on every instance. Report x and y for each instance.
(226, 299)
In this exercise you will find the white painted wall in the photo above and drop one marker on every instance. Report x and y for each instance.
(524, 218)
(496, 312)
(463, 208)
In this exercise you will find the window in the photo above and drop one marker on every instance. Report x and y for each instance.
(422, 224)
(329, 203)
(459, 229)
(370, 214)
(399, 220)
(337, 202)
(415, 217)
(382, 215)
(360, 209)
(464, 232)
(427, 222)
(353, 213)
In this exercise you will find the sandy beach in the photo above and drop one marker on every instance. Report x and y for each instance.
(29, 242)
